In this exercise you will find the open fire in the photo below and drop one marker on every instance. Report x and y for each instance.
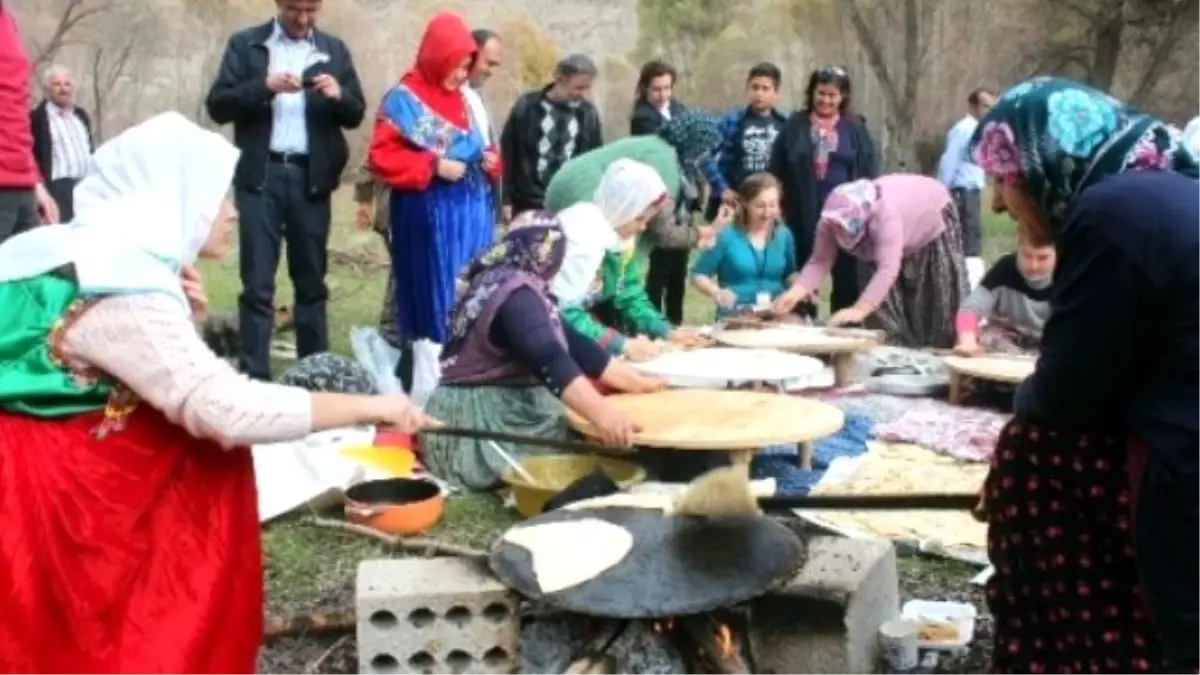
(713, 642)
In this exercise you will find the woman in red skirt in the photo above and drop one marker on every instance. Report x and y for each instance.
(1092, 497)
(130, 538)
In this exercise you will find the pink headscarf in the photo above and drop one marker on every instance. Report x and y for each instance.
(848, 209)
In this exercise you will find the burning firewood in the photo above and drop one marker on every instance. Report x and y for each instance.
(595, 664)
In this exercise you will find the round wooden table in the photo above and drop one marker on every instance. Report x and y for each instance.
(739, 422)
(998, 368)
(839, 346)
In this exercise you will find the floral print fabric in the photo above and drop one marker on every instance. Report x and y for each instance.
(532, 250)
(850, 207)
(1058, 137)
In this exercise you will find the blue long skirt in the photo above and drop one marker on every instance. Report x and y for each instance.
(435, 233)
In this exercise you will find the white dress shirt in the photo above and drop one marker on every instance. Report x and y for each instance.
(289, 130)
(956, 169)
(69, 149)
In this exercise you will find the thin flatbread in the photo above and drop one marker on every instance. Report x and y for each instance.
(570, 553)
(632, 500)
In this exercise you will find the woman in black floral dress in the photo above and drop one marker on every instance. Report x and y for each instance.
(1092, 497)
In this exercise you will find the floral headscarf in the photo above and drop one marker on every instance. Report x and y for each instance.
(695, 134)
(849, 208)
(1059, 137)
(529, 255)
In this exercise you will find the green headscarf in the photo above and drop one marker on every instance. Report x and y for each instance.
(1059, 137)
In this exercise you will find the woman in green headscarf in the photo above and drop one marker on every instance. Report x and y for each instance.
(1091, 501)
(681, 153)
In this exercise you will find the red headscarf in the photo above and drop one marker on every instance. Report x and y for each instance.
(446, 42)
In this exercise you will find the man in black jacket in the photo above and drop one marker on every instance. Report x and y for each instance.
(545, 129)
(289, 90)
(62, 139)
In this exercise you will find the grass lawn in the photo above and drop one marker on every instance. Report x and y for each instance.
(302, 561)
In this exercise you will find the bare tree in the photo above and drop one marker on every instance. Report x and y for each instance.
(680, 29)
(108, 65)
(70, 14)
(1096, 36)
(901, 82)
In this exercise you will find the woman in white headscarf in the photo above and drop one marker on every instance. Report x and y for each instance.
(600, 289)
(131, 536)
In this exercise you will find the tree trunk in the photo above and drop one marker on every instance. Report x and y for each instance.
(1106, 52)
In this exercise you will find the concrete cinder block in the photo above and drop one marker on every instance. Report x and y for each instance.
(827, 618)
(434, 615)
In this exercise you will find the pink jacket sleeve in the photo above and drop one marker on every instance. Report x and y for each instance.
(887, 248)
(824, 253)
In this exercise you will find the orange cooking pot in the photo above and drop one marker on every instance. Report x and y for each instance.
(395, 505)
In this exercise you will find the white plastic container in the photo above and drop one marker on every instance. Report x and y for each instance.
(961, 614)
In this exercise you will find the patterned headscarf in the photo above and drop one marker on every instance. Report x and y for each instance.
(849, 208)
(695, 134)
(1059, 137)
(530, 254)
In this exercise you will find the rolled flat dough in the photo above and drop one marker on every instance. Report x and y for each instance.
(633, 500)
(567, 554)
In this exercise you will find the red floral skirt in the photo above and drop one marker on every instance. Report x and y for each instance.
(1065, 596)
(136, 553)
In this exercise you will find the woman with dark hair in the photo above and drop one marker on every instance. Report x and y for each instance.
(821, 147)
(654, 102)
(666, 276)
(1091, 501)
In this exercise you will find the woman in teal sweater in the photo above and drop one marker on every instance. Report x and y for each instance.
(753, 261)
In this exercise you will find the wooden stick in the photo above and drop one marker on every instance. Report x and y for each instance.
(411, 544)
(312, 667)
(308, 623)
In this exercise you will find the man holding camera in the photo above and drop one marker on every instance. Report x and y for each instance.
(289, 90)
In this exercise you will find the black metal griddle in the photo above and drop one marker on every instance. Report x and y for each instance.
(677, 566)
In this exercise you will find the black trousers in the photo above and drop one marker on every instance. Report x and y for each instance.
(18, 211)
(666, 282)
(283, 211)
(63, 192)
(845, 282)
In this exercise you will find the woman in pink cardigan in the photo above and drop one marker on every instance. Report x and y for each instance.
(907, 227)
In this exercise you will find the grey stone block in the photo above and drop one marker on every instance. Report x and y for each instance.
(434, 615)
(827, 618)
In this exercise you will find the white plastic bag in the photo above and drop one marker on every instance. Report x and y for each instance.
(378, 357)
(427, 370)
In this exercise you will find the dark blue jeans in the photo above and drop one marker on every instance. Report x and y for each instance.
(283, 211)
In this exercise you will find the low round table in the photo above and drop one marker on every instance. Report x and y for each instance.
(839, 346)
(738, 422)
(998, 368)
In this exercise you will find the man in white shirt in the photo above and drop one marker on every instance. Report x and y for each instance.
(958, 171)
(487, 61)
(62, 139)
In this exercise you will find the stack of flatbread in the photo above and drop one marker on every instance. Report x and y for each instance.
(909, 469)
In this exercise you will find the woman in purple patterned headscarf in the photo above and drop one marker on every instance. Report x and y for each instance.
(510, 359)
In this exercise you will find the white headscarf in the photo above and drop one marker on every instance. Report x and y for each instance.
(627, 189)
(589, 235)
(142, 212)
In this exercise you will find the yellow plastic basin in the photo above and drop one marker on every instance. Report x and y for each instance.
(555, 472)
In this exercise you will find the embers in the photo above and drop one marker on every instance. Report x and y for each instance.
(713, 642)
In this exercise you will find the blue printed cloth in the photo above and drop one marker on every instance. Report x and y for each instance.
(779, 461)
